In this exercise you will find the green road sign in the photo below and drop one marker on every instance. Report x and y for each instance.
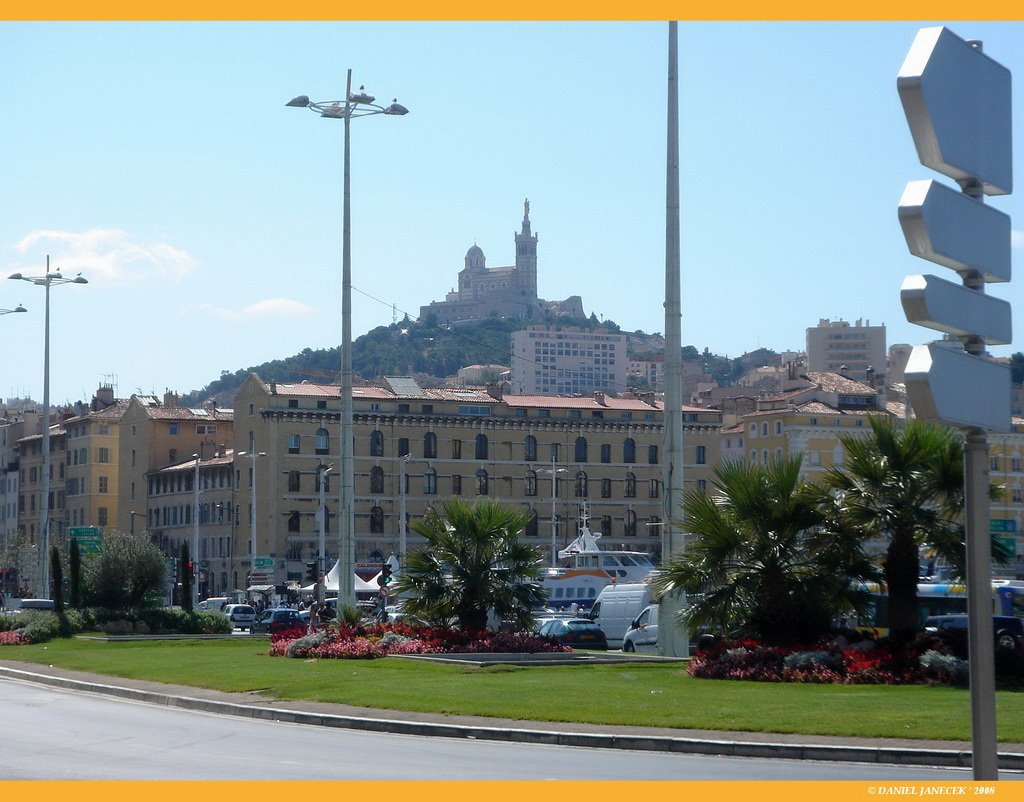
(262, 563)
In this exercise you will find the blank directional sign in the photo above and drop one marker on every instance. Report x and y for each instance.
(955, 309)
(948, 384)
(955, 230)
(957, 102)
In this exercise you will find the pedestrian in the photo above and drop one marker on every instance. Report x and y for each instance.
(3, 601)
(314, 618)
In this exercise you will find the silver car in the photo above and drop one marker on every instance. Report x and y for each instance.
(241, 616)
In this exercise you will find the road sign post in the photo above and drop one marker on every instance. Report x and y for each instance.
(958, 105)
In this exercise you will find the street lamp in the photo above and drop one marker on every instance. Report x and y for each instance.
(356, 104)
(195, 536)
(46, 282)
(554, 494)
(321, 589)
(252, 515)
(18, 308)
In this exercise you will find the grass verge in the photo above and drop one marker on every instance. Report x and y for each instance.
(660, 695)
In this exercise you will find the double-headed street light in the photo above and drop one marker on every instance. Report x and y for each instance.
(46, 281)
(356, 104)
(252, 513)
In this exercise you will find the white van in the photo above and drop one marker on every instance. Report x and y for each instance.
(214, 604)
(617, 606)
(642, 635)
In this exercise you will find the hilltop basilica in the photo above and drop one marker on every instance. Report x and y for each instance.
(507, 292)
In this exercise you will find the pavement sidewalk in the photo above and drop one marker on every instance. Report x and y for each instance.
(747, 744)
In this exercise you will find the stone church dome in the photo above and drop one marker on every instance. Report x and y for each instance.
(475, 258)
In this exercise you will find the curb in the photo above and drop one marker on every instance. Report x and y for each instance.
(1010, 761)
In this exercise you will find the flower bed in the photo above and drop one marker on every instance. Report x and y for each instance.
(370, 641)
(13, 637)
(927, 660)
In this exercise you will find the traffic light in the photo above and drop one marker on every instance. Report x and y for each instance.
(311, 573)
(385, 573)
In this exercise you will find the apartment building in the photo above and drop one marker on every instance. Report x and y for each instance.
(837, 346)
(415, 447)
(91, 483)
(568, 361)
(156, 433)
(193, 502)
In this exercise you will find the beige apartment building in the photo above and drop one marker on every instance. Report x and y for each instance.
(414, 447)
(155, 434)
(91, 483)
(836, 344)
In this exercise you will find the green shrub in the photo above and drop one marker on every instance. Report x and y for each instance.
(40, 626)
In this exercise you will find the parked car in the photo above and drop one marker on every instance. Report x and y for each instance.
(214, 604)
(642, 635)
(275, 619)
(1009, 629)
(241, 616)
(579, 633)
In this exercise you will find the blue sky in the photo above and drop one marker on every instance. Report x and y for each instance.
(159, 160)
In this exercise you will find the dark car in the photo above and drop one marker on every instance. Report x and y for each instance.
(1009, 630)
(276, 619)
(579, 633)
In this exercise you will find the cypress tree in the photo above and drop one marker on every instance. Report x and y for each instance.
(57, 573)
(75, 569)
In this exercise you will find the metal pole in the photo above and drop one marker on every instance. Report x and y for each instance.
(554, 520)
(195, 538)
(347, 550)
(321, 590)
(402, 528)
(44, 509)
(980, 636)
(671, 641)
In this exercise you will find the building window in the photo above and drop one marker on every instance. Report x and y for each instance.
(376, 479)
(630, 524)
(481, 446)
(652, 455)
(630, 486)
(293, 521)
(581, 449)
(376, 443)
(430, 482)
(531, 483)
(778, 427)
(104, 484)
(456, 485)
(530, 448)
(376, 520)
(581, 484)
(103, 455)
(481, 482)
(293, 403)
(606, 452)
(293, 481)
(606, 524)
(323, 441)
(629, 451)
(606, 488)
(172, 429)
(531, 529)
(430, 446)
(403, 446)
(456, 449)
(653, 489)
(554, 452)
(293, 444)
(701, 455)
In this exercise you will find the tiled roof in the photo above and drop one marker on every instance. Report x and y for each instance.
(837, 383)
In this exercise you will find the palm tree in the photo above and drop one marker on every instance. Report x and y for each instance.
(904, 484)
(763, 555)
(472, 563)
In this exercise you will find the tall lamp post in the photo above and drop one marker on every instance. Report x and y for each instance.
(252, 455)
(18, 308)
(356, 104)
(321, 578)
(195, 535)
(46, 282)
(554, 494)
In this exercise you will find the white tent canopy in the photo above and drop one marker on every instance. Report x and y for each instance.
(361, 586)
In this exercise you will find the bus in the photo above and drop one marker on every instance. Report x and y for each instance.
(940, 598)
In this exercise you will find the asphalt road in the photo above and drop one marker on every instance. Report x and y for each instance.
(52, 734)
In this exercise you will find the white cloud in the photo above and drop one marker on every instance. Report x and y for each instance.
(269, 308)
(1017, 239)
(105, 254)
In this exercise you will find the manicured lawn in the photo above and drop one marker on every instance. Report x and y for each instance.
(654, 695)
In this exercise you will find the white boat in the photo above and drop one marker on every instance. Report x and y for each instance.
(589, 569)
